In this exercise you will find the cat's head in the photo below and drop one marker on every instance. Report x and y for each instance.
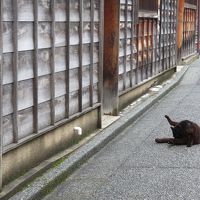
(182, 129)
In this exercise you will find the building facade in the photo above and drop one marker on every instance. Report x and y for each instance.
(66, 63)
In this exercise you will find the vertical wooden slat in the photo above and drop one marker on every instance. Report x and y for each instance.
(176, 42)
(160, 36)
(164, 35)
(80, 54)
(1, 91)
(67, 56)
(189, 31)
(52, 62)
(156, 64)
(35, 68)
(185, 40)
(153, 62)
(147, 61)
(142, 36)
(125, 47)
(167, 34)
(15, 68)
(101, 46)
(137, 55)
(132, 42)
(198, 28)
(91, 51)
(170, 33)
(174, 7)
(100, 66)
(186, 31)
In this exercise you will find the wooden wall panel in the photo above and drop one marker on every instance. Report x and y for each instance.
(73, 102)
(25, 94)
(7, 10)
(74, 12)
(60, 31)
(86, 55)
(8, 137)
(44, 38)
(25, 8)
(86, 97)
(52, 60)
(44, 114)
(25, 122)
(73, 57)
(7, 37)
(25, 36)
(60, 59)
(44, 62)
(44, 10)
(7, 99)
(127, 45)
(25, 69)
(60, 86)
(7, 68)
(60, 107)
(73, 76)
(74, 33)
(86, 10)
(86, 76)
(95, 94)
(44, 91)
(60, 10)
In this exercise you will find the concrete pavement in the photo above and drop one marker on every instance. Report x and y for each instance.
(133, 166)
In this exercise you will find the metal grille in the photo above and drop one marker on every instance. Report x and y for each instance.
(52, 62)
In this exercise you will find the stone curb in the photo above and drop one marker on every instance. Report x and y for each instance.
(52, 177)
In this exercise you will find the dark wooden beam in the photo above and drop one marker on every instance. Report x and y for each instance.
(1, 91)
(111, 54)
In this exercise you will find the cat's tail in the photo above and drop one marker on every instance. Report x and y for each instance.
(172, 123)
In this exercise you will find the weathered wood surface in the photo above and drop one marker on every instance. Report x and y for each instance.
(8, 130)
(111, 53)
(39, 43)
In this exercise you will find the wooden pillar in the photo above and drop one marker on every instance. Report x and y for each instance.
(1, 92)
(111, 53)
(180, 22)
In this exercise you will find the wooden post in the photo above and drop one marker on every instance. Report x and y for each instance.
(35, 69)
(111, 54)
(180, 23)
(52, 62)
(15, 68)
(1, 92)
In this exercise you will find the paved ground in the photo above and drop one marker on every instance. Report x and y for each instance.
(133, 166)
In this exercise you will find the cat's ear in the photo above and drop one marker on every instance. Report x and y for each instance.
(172, 128)
(189, 124)
(189, 128)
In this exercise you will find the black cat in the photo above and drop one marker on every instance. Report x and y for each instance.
(184, 132)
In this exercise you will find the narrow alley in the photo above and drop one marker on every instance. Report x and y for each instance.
(133, 166)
